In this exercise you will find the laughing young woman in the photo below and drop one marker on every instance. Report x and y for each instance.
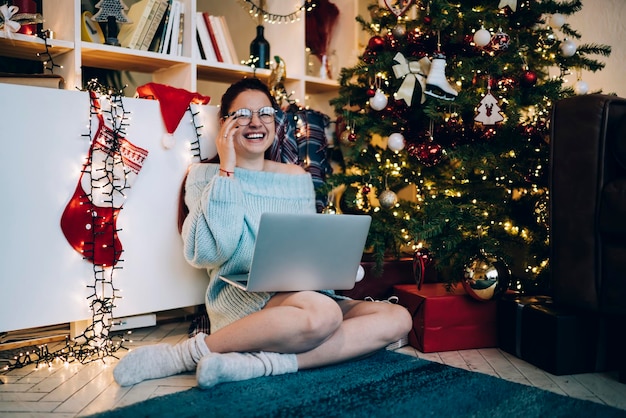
(256, 334)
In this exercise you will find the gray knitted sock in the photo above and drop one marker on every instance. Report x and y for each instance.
(160, 360)
(230, 367)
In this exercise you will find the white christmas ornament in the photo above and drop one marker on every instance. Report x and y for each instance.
(396, 142)
(557, 20)
(360, 273)
(379, 101)
(568, 48)
(581, 88)
(489, 111)
(482, 37)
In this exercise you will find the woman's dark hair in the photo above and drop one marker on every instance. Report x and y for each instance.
(239, 87)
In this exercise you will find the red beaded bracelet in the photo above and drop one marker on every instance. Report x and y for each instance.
(228, 173)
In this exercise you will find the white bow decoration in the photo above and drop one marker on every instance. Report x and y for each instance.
(412, 71)
(511, 3)
(9, 26)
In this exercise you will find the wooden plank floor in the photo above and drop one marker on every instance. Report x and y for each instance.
(77, 390)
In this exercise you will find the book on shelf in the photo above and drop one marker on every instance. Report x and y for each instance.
(181, 31)
(36, 80)
(157, 39)
(230, 45)
(198, 47)
(175, 42)
(209, 26)
(204, 39)
(222, 45)
(140, 14)
(167, 33)
(153, 25)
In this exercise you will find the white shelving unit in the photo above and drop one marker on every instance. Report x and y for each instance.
(155, 276)
(189, 71)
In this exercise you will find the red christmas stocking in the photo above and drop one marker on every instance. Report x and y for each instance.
(89, 219)
(173, 103)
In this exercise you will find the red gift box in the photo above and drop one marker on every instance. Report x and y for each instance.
(446, 321)
(380, 287)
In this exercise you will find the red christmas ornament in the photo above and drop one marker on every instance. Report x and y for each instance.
(370, 92)
(391, 41)
(428, 20)
(376, 43)
(507, 83)
(428, 153)
(366, 189)
(488, 133)
(369, 56)
(529, 78)
(493, 83)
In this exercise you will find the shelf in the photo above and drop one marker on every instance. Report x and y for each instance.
(124, 59)
(228, 73)
(188, 71)
(319, 85)
(32, 47)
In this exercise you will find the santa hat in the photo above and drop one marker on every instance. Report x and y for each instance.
(173, 103)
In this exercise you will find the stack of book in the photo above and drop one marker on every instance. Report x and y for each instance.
(156, 25)
(214, 40)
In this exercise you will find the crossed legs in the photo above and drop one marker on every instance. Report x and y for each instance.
(318, 329)
(297, 330)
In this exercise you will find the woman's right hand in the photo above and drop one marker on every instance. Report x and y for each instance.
(224, 142)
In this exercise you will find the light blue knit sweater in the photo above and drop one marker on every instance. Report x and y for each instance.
(220, 230)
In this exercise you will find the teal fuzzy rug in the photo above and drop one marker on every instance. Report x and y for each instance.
(386, 384)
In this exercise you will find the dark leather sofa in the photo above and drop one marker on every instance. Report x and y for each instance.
(588, 212)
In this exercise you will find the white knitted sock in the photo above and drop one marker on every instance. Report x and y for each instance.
(230, 367)
(160, 360)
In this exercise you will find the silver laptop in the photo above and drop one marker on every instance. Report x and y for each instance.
(305, 252)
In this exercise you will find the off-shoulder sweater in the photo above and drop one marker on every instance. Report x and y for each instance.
(220, 229)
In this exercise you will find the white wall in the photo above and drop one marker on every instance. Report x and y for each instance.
(603, 22)
(42, 279)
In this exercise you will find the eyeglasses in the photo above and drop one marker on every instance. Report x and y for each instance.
(244, 116)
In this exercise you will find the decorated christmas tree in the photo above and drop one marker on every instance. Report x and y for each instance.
(443, 130)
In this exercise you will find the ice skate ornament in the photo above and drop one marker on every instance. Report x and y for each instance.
(436, 83)
(410, 71)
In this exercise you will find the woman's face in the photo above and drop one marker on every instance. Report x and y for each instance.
(255, 129)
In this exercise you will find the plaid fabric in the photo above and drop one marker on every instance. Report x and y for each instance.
(301, 139)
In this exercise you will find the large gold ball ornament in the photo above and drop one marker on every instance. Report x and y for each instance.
(486, 277)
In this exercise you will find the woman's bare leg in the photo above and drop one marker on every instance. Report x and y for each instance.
(319, 329)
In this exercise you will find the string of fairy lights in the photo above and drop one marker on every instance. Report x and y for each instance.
(48, 62)
(97, 342)
(258, 10)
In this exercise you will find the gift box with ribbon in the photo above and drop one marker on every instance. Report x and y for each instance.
(448, 320)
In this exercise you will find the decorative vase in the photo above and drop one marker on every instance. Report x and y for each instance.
(260, 49)
(27, 6)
